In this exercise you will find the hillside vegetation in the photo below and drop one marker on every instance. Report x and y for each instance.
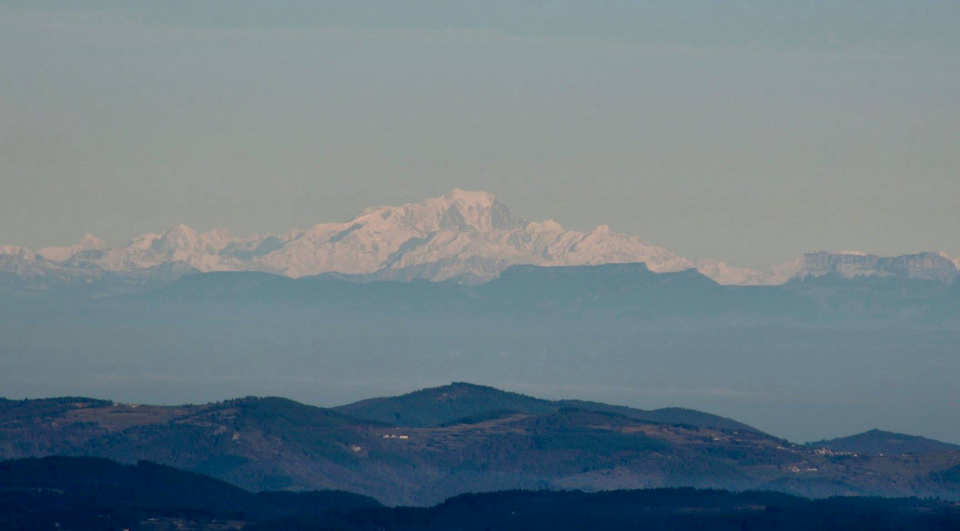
(430, 445)
(82, 493)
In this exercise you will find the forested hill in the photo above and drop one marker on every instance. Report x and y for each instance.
(877, 442)
(422, 448)
(81, 493)
(461, 401)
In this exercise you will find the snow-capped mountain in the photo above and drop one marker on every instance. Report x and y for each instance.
(956, 261)
(468, 237)
(726, 274)
(89, 242)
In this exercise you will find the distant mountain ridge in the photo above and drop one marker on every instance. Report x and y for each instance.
(463, 236)
(599, 295)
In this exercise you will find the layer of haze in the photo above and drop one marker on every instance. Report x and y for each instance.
(744, 131)
(800, 383)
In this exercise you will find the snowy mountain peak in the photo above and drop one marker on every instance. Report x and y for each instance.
(180, 237)
(181, 229)
(482, 211)
(89, 242)
(463, 236)
(458, 210)
(602, 229)
(956, 261)
(544, 226)
(12, 250)
(470, 197)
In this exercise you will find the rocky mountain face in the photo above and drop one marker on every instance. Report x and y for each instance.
(466, 237)
(923, 266)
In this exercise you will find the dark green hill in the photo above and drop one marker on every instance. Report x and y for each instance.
(667, 415)
(145, 487)
(652, 510)
(317, 502)
(91, 493)
(447, 404)
(439, 405)
(83, 493)
(12, 410)
(284, 414)
(875, 442)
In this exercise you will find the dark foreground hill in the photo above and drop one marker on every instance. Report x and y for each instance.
(96, 494)
(656, 509)
(498, 441)
(92, 493)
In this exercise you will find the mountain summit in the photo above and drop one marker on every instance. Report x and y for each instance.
(463, 236)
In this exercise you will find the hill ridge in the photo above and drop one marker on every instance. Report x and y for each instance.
(877, 441)
(414, 408)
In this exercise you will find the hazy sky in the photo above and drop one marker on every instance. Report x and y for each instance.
(744, 131)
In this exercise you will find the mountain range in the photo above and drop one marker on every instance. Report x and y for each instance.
(163, 330)
(464, 237)
(426, 446)
(598, 297)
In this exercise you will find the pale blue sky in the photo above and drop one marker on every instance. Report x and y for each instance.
(744, 131)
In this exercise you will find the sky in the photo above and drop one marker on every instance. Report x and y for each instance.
(749, 132)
